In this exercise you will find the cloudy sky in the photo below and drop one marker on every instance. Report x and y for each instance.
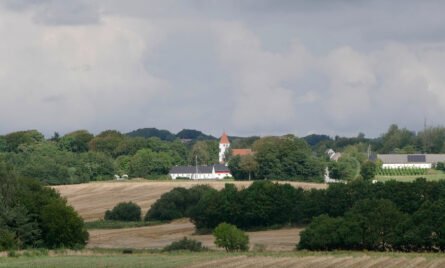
(244, 66)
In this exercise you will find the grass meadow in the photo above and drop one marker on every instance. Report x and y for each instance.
(115, 258)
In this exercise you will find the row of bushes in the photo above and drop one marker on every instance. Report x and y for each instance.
(175, 204)
(265, 204)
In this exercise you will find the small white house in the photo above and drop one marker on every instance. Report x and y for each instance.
(211, 172)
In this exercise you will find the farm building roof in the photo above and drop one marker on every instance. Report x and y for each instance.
(411, 158)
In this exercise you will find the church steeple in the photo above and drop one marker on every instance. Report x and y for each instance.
(224, 145)
(224, 139)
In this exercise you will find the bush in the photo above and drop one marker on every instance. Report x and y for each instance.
(7, 240)
(62, 226)
(124, 212)
(185, 244)
(230, 238)
(177, 203)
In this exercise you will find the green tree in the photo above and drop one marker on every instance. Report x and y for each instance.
(62, 227)
(16, 139)
(76, 141)
(368, 170)
(230, 238)
(206, 152)
(248, 164)
(146, 162)
(286, 157)
(106, 142)
(124, 211)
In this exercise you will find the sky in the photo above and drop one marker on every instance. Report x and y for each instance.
(247, 67)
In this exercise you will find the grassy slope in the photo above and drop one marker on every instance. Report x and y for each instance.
(222, 259)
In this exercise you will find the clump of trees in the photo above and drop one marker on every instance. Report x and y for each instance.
(378, 224)
(185, 244)
(231, 238)
(278, 158)
(177, 203)
(124, 211)
(34, 216)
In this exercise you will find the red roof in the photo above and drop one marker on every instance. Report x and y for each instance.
(241, 152)
(224, 139)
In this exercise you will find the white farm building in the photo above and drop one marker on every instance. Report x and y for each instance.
(426, 161)
(217, 171)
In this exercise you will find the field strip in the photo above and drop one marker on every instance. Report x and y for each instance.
(91, 200)
(158, 236)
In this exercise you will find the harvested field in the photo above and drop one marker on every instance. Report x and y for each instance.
(91, 200)
(320, 261)
(161, 235)
(226, 260)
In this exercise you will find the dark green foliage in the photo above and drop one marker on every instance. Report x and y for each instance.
(235, 168)
(368, 170)
(76, 141)
(61, 226)
(440, 166)
(185, 244)
(146, 162)
(124, 212)
(16, 139)
(315, 139)
(260, 205)
(35, 216)
(191, 134)
(152, 132)
(288, 158)
(177, 203)
(230, 238)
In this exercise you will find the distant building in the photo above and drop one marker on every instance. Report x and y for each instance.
(394, 161)
(211, 172)
(224, 145)
(333, 155)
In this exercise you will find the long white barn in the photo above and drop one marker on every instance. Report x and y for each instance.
(426, 161)
(211, 172)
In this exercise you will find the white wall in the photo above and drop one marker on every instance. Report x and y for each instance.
(222, 150)
(410, 165)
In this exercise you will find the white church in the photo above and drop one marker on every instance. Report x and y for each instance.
(210, 172)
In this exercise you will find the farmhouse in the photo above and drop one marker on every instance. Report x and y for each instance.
(217, 171)
(425, 161)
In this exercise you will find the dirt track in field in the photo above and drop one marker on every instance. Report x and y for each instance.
(91, 200)
(161, 235)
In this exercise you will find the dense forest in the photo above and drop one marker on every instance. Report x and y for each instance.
(81, 156)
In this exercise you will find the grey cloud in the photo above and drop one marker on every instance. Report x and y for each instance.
(247, 67)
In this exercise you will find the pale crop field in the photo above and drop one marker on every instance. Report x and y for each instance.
(159, 236)
(91, 200)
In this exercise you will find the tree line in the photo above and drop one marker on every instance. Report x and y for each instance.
(80, 156)
(358, 215)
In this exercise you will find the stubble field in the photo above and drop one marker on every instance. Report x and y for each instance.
(91, 200)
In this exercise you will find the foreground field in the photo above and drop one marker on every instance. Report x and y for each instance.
(159, 236)
(221, 259)
(91, 200)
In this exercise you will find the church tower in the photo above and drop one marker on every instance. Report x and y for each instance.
(224, 145)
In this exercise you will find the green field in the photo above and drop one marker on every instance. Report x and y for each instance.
(104, 258)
